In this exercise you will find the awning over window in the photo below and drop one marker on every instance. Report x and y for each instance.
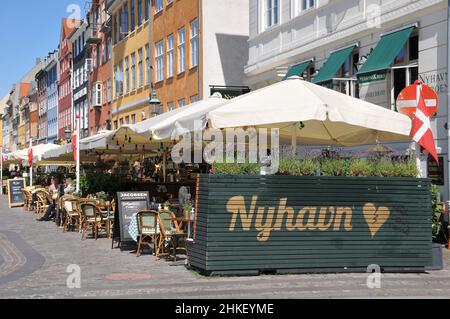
(298, 69)
(383, 55)
(333, 64)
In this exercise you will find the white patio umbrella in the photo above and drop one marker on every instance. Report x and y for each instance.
(178, 121)
(186, 120)
(314, 114)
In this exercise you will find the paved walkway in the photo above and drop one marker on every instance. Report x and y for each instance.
(34, 257)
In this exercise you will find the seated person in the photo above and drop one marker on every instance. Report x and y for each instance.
(68, 188)
(54, 190)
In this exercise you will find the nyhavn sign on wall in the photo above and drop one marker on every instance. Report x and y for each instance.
(266, 220)
(258, 223)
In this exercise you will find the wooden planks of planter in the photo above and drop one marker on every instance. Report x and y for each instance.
(311, 224)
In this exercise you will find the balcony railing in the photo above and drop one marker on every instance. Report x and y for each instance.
(93, 35)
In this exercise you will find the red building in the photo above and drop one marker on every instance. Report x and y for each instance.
(65, 74)
(100, 53)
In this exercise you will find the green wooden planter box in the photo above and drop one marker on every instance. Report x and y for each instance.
(250, 224)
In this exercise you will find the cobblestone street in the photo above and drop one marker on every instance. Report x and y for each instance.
(34, 257)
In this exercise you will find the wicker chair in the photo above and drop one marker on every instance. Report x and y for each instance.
(72, 213)
(91, 218)
(41, 204)
(148, 229)
(169, 231)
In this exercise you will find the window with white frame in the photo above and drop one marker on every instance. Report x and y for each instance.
(97, 94)
(303, 5)
(405, 70)
(181, 103)
(147, 63)
(272, 12)
(170, 56)
(194, 98)
(127, 75)
(181, 50)
(170, 106)
(194, 43)
(133, 71)
(159, 61)
(158, 5)
(140, 68)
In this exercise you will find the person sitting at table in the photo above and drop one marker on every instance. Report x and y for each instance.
(68, 188)
(54, 192)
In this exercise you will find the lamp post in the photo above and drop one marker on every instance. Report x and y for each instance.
(155, 103)
(68, 134)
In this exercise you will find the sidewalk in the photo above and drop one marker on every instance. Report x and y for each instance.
(34, 257)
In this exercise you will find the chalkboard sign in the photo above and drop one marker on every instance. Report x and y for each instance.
(128, 204)
(15, 195)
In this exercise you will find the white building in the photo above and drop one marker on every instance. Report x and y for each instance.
(370, 49)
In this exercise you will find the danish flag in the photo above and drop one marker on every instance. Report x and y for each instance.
(421, 128)
(30, 154)
(74, 139)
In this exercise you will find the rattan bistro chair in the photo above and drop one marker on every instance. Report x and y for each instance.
(148, 229)
(169, 229)
(72, 213)
(41, 204)
(28, 200)
(91, 217)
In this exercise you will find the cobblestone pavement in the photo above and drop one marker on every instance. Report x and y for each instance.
(34, 257)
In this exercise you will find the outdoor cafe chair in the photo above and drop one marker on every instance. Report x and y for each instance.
(91, 218)
(28, 199)
(169, 231)
(41, 204)
(72, 215)
(147, 222)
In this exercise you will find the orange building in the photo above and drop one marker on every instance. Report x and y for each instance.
(194, 48)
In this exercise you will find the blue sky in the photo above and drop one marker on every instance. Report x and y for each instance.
(29, 29)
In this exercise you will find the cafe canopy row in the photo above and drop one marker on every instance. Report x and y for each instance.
(305, 113)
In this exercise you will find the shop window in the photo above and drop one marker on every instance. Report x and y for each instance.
(405, 70)
(346, 81)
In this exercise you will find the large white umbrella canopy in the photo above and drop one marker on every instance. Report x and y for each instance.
(178, 121)
(328, 117)
(38, 152)
(189, 119)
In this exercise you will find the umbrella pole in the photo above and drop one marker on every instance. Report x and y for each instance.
(294, 140)
(416, 153)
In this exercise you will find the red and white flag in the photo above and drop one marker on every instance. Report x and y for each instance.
(421, 127)
(30, 154)
(74, 138)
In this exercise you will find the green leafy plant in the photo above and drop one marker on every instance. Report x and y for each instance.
(360, 167)
(298, 167)
(236, 168)
(384, 168)
(334, 167)
(407, 168)
(436, 211)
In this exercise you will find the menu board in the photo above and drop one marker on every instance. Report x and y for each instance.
(128, 204)
(15, 195)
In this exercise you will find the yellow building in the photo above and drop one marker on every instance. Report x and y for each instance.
(182, 51)
(134, 77)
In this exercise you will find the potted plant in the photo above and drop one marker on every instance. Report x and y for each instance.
(187, 209)
(166, 205)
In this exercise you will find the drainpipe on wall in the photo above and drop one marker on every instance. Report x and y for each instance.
(448, 101)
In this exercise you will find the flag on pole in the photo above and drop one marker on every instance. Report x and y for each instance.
(30, 154)
(421, 127)
(74, 139)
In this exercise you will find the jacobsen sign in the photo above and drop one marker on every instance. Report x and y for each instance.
(286, 223)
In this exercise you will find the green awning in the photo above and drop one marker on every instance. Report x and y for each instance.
(384, 54)
(333, 64)
(298, 69)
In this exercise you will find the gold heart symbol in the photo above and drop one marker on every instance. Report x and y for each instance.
(375, 218)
